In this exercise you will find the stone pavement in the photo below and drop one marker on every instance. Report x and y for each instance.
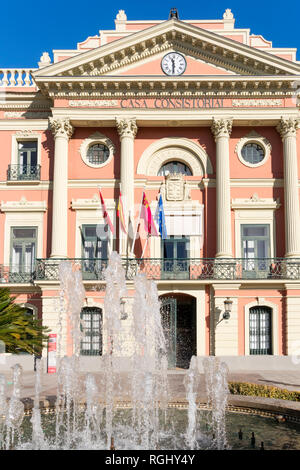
(283, 379)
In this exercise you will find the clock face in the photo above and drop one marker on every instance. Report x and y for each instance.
(173, 64)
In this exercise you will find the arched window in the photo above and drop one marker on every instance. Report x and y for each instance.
(91, 325)
(174, 167)
(260, 330)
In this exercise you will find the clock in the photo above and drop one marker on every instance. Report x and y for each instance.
(173, 64)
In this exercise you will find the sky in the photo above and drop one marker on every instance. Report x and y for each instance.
(27, 29)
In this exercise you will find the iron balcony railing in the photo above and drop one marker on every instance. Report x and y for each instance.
(194, 269)
(24, 173)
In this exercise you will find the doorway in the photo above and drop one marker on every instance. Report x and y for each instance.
(178, 312)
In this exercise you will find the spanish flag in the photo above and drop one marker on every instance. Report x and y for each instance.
(105, 213)
(120, 214)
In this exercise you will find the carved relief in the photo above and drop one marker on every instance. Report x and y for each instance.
(175, 188)
(287, 127)
(61, 127)
(221, 127)
(126, 127)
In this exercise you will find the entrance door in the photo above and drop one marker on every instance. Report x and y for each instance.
(260, 319)
(168, 318)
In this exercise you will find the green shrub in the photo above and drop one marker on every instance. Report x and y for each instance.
(266, 391)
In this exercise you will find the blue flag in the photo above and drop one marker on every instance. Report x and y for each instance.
(160, 218)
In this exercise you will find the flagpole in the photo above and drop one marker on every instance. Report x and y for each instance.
(144, 249)
(138, 222)
(108, 238)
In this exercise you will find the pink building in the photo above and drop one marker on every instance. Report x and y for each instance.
(199, 111)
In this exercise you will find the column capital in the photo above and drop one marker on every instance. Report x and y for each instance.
(221, 127)
(61, 127)
(287, 127)
(127, 127)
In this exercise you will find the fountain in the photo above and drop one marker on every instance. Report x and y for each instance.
(124, 405)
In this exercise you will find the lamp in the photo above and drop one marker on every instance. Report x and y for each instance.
(228, 307)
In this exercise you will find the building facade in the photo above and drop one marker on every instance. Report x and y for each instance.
(198, 111)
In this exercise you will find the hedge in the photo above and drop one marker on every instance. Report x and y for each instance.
(255, 390)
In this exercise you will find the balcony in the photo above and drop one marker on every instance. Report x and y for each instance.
(24, 173)
(191, 269)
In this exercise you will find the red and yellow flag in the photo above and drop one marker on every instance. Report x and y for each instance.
(120, 214)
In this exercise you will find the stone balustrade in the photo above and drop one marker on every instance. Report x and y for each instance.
(15, 77)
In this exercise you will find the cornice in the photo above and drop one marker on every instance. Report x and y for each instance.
(113, 87)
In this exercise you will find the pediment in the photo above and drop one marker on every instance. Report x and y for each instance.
(131, 52)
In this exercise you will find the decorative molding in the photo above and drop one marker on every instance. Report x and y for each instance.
(174, 148)
(126, 127)
(256, 102)
(92, 203)
(253, 137)
(254, 202)
(287, 127)
(175, 188)
(26, 114)
(93, 103)
(96, 138)
(23, 206)
(221, 127)
(61, 127)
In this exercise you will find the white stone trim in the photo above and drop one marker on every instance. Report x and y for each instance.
(254, 202)
(23, 136)
(253, 137)
(23, 206)
(32, 307)
(96, 138)
(173, 148)
(21, 219)
(275, 324)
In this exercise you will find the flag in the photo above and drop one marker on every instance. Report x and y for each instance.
(105, 214)
(120, 214)
(146, 215)
(160, 218)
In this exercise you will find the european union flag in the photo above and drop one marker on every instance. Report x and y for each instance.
(160, 218)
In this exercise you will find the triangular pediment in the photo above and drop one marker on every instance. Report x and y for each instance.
(152, 67)
(207, 47)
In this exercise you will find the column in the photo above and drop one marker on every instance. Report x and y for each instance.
(221, 129)
(62, 131)
(127, 130)
(287, 128)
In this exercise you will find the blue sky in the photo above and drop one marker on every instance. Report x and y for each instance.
(27, 29)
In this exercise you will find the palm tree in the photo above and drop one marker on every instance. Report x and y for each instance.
(19, 331)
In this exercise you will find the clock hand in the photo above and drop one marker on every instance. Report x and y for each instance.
(173, 65)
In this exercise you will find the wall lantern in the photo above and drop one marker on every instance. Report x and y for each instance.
(228, 307)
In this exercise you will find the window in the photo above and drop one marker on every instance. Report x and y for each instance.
(174, 168)
(175, 257)
(91, 325)
(253, 153)
(98, 154)
(27, 167)
(23, 253)
(260, 330)
(255, 248)
(94, 251)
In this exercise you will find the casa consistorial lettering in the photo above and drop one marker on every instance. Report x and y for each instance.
(61, 127)
(173, 103)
